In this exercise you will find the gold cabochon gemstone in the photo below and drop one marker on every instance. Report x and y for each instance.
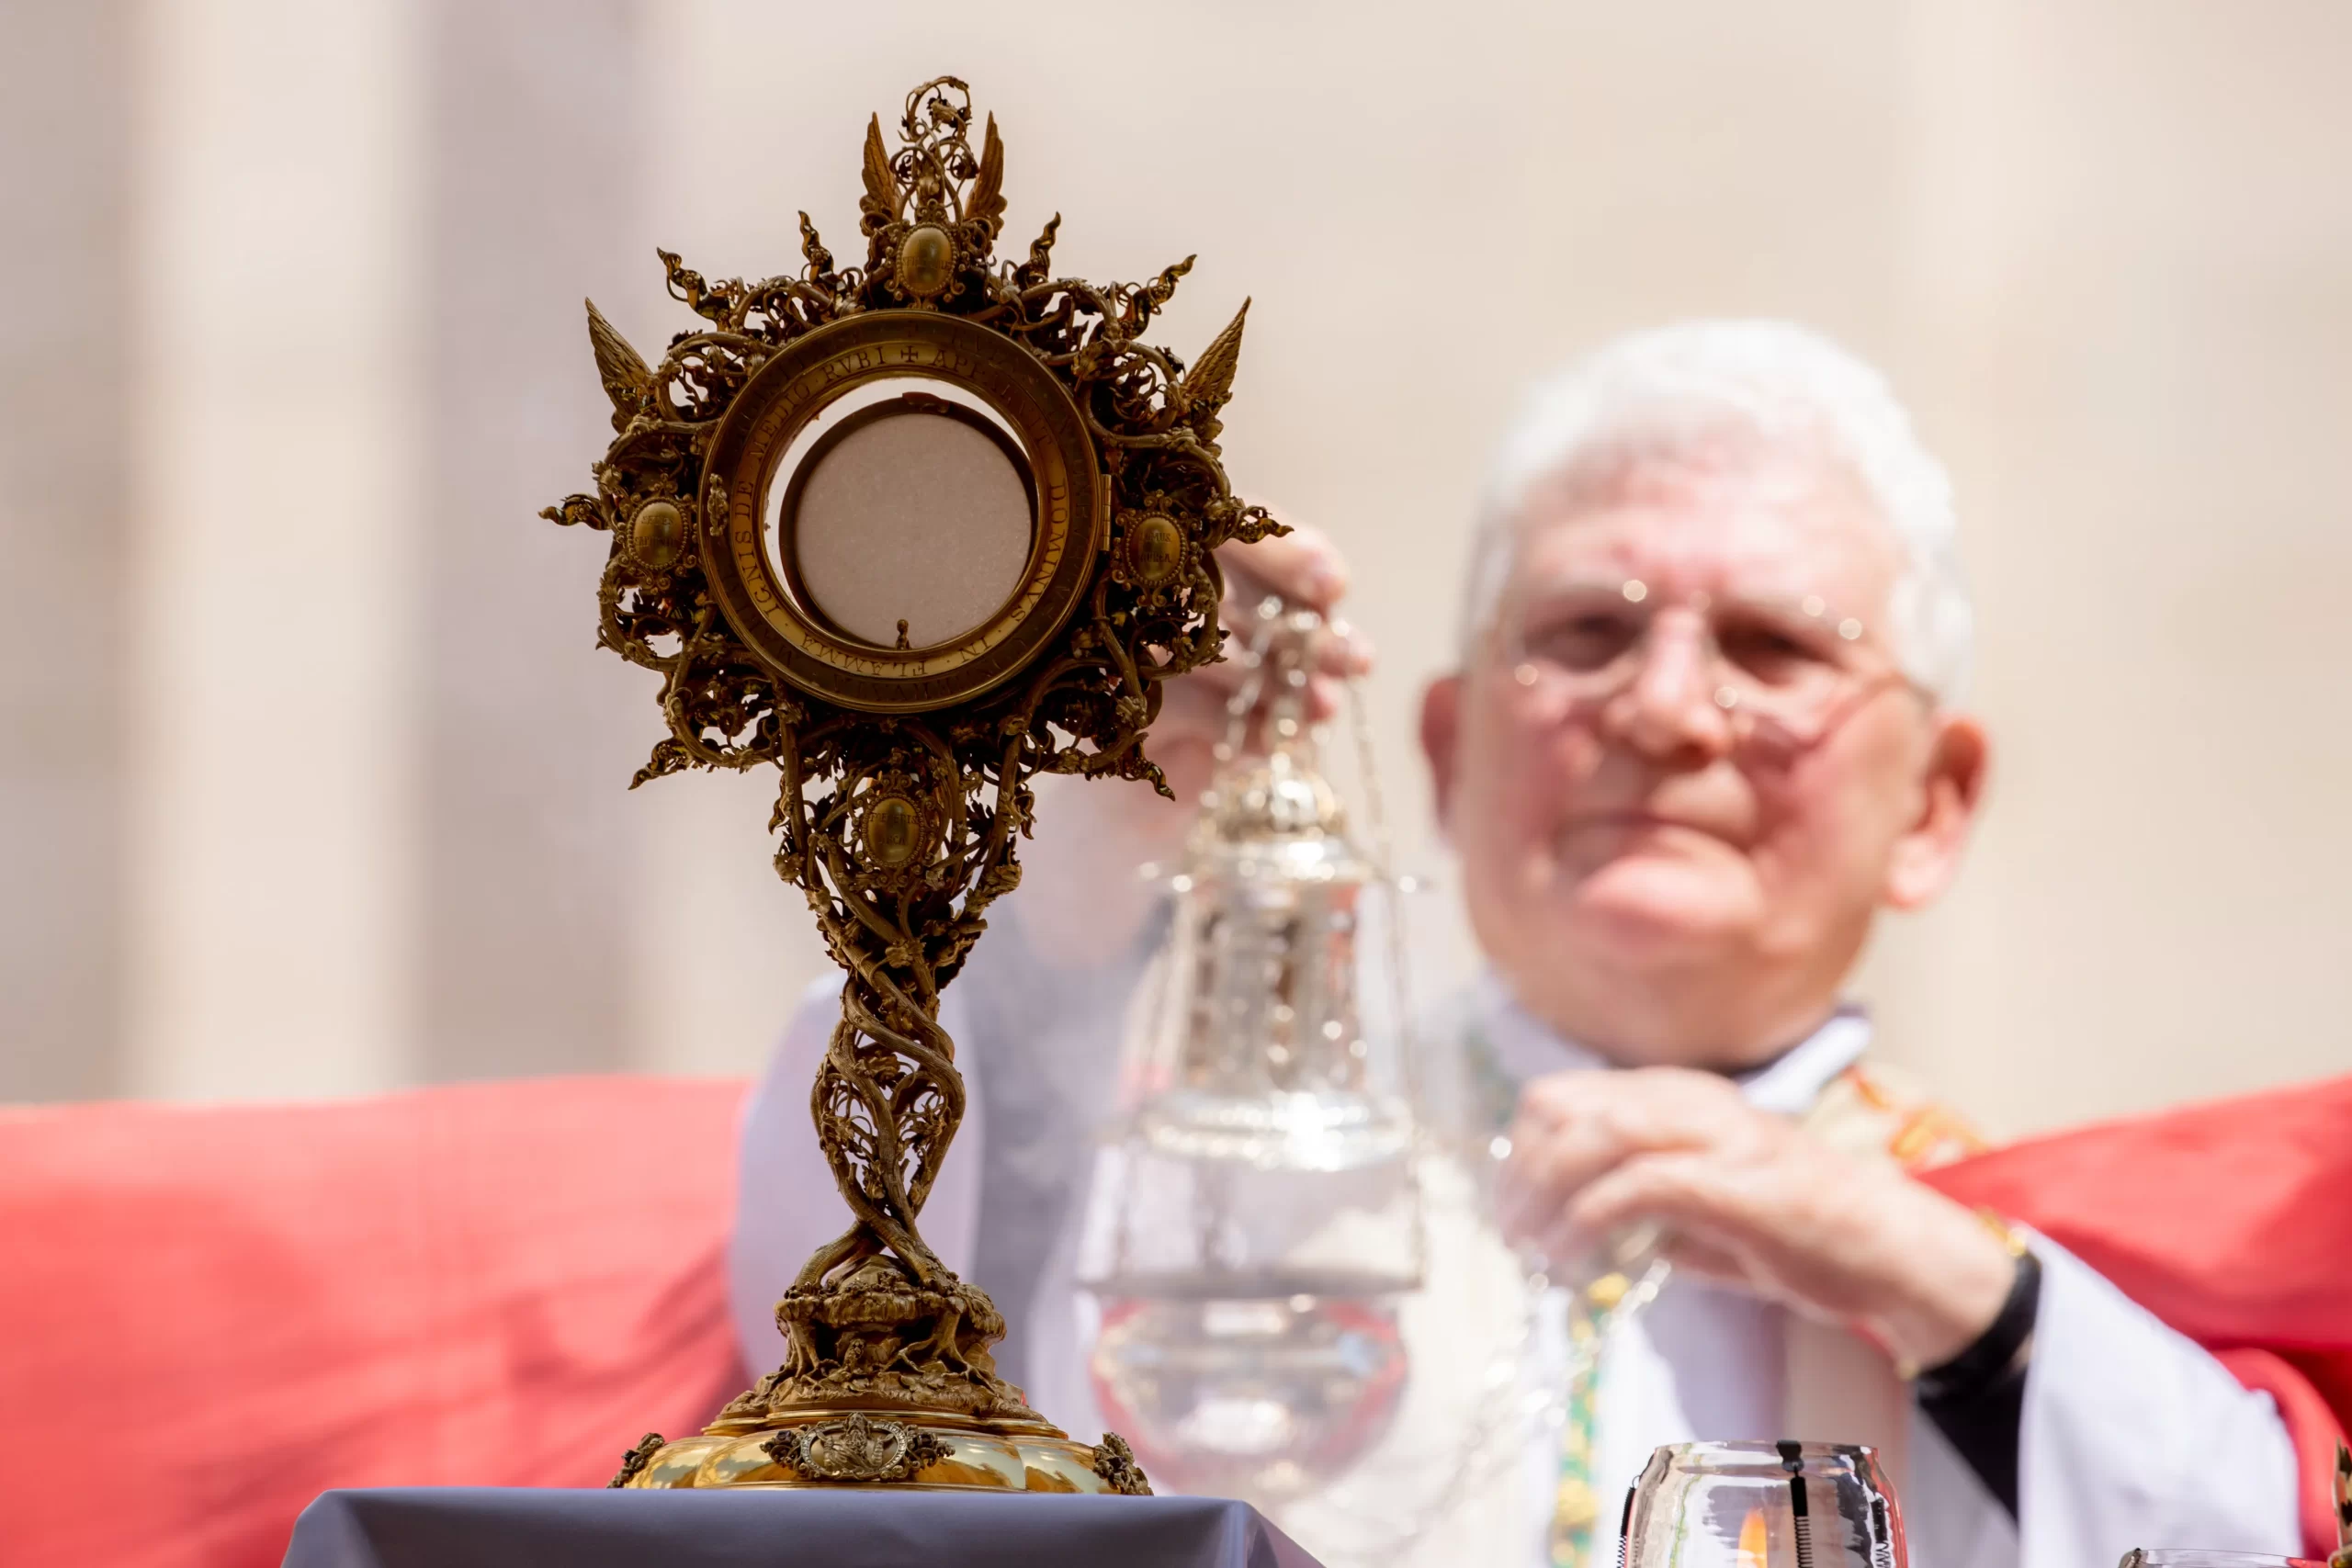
(926, 261)
(1156, 550)
(893, 830)
(657, 535)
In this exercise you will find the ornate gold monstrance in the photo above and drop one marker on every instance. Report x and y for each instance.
(771, 503)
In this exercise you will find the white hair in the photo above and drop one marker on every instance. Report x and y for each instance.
(1671, 390)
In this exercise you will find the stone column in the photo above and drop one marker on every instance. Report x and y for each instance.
(535, 146)
(273, 634)
(64, 427)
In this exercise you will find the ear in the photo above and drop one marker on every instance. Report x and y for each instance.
(1441, 741)
(1926, 857)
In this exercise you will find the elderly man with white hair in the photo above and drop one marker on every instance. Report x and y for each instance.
(1706, 727)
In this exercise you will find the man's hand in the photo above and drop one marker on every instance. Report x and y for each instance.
(1746, 1198)
(1087, 901)
(1304, 569)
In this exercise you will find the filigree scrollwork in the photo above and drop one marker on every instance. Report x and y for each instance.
(1115, 1463)
(2342, 1556)
(931, 212)
(900, 820)
(855, 1449)
(633, 1462)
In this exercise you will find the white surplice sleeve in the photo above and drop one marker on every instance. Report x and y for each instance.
(2134, 1435)
(786, 1203)
(2131, 1436)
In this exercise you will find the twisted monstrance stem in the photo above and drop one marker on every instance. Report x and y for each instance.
(901, 860)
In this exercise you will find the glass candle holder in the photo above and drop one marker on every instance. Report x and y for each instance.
(1763, 1505)
(2177, 1557)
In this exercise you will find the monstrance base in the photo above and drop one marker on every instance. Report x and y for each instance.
(890, 1383)
(925, 1450)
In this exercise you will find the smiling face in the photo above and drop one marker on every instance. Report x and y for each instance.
(1652, 873)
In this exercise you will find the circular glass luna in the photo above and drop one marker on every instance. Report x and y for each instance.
(909, 523)
(793, 580)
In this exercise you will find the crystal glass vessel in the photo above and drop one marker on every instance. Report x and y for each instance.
(1763, 1505)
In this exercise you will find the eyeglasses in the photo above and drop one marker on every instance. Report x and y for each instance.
(1782, 672)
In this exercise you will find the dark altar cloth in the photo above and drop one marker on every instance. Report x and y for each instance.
(492, 1527)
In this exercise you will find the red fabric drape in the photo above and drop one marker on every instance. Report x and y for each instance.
(2232, 1222)
(209, 1315)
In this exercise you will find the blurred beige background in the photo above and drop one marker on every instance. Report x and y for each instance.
(310, 779)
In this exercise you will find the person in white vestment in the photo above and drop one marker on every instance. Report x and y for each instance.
(1707, 723)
